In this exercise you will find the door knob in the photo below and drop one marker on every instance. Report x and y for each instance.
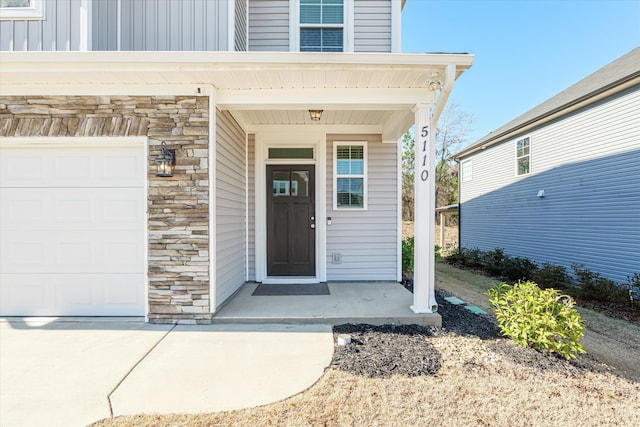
(313, 226)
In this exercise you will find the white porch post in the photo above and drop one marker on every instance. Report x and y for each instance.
(424, 300)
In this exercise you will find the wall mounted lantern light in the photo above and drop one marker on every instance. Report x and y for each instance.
(315, 115)
(165, 161)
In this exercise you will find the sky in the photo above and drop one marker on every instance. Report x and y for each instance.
(526, 51)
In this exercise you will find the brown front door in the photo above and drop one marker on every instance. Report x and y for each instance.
(291, 239)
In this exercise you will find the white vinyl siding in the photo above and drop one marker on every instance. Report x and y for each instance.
(588, 164)
(231, 242)
(269, 25)
(372, 26)
(367, 240)
(58, 31)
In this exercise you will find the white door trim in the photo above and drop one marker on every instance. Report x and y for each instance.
(264, 140)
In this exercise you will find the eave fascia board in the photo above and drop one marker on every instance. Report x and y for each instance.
(563, 110)
(221, 61)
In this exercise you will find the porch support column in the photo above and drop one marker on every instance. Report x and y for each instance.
(424, 300)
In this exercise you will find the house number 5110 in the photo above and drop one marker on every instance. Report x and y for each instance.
(424, 172)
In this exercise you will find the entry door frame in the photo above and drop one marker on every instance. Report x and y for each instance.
(303, 139)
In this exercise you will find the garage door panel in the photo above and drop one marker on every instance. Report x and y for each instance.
(72, 222)
(72, 166)
(60, 251)
(74, 209)
(71, 295)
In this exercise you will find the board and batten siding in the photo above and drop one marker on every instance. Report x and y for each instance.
(366, 239)
(231, 239)
(588, 164)
(269, 25)
(372, 26)
(58, 31)
(161, 25)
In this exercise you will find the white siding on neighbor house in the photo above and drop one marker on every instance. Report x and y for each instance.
(269, 25)
(372, 26)
(241, 29)
(251, 176)
(366, 239)
(230, 207)
(169, 25)
(588, 164)
(58, 31)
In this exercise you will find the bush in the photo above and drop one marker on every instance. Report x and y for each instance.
(518, 269)
(493, 261)
(551, 276)
(407, 255)
(592, 286)
(538, 318)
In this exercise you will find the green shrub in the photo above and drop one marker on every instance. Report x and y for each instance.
(518, 269)
(436, 251)
(472, 257)
(493, 261)
(407, 255)
(592, 286)
(633, 282)
(551, 276)
(539, 318)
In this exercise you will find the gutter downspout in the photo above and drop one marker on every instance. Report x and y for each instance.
(449, 79)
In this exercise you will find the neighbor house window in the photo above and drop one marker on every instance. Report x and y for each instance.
(466, 170)
(321, 26)
(21, 9)
(350, 182)
(523, 156)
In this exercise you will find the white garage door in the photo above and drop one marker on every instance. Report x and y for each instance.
(72, 220)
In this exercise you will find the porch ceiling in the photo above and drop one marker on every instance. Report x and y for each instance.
(259, 88)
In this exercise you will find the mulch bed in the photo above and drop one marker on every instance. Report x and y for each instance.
(383, 351)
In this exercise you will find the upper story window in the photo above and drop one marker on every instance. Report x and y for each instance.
(466, 170)
(350, 177)
(321, 26)
(523, 156)
(21, 9)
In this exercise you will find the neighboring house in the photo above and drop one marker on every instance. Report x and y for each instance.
(561, 183)
(261, 191)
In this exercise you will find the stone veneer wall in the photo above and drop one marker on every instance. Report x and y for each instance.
(178, 218)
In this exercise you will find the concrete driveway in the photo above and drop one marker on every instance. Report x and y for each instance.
(73, 373)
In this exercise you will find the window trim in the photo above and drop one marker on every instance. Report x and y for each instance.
(470, 171)
(364, 176)
(33, 12)
(522, 157)
(347, 26)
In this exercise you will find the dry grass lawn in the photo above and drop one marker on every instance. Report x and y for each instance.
(480, 383)
(477, 385)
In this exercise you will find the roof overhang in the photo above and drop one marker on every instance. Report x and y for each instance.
(259, 88)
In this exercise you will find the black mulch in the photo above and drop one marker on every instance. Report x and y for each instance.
(383, 351)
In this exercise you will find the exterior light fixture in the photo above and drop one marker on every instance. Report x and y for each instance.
(434, 85)
(315, 115)
(165, 161)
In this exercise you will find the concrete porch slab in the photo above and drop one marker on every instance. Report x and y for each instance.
(374, 303)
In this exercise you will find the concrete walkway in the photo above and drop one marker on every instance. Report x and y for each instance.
(73, 373)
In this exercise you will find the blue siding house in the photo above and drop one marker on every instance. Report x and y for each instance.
(561, 183)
